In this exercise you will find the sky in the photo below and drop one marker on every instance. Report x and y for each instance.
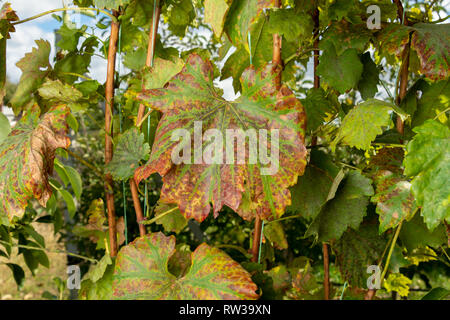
(43, 28)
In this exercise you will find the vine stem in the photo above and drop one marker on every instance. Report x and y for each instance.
(162, 215)
(325, 249)
(149, 62)
(109, 105)
(113, 18)
(391, 250)
(277, 67)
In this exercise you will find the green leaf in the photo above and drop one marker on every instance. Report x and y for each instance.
(5, 127)
(367, 85)
(341, 72)
(415, 234)
(434, 100)
(427, 161)
(75, 181)
(317, 106)
(35, 67)
(180, 16)
(26, 159)
(161, 72)
(172, 222)
(346, 209)
(190, 99)
(68, 199)
(142, 273)
(274, 232)
(216, 13)
(436, 294)
(110, 4)
(313, 188)
(356, 250)
(69, 37)
(364, 123)
(242, 17)
(130, 149)
(99, 290)
(97, 272)
(290, 23)
(57, 92)
(18, 273)
(135, 60)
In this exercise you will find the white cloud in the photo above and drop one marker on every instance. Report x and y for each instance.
(21, 42)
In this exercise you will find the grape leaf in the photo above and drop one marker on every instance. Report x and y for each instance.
(5, 127)
(317, 106)
(57, 92)
(432, 44)
(35, 67)
(367, 85)
(110, 4)
(7, 15)
(172, 222)
(161, 72)
(356, 250)
(429, 40)
(290, 23)
(364, 122)
(344, 35)
(346, 209)
(274, 232)
(434, 100)
(129, 151)
(415, 234)
(101, 289)
(394, 200)
(193, 183)
(341, 72)
(216, 13)
(26, 159)
(181, 14)
(313, 188)
(242, 17)
(427, 160)
(142, 273)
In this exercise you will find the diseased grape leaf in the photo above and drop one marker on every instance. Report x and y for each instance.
(344, 35)
(191, 102)
(429, 40)
(427, 160)
(364, 122)
(216, 13)
(356, 250)
(432, 43)
(394, 200)
(161, 72)
(7, 15)
(346, 209)
(129, 151)
(341, 72)
(313, 188)
(26, 159)
(142, 273)
(35, 67)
